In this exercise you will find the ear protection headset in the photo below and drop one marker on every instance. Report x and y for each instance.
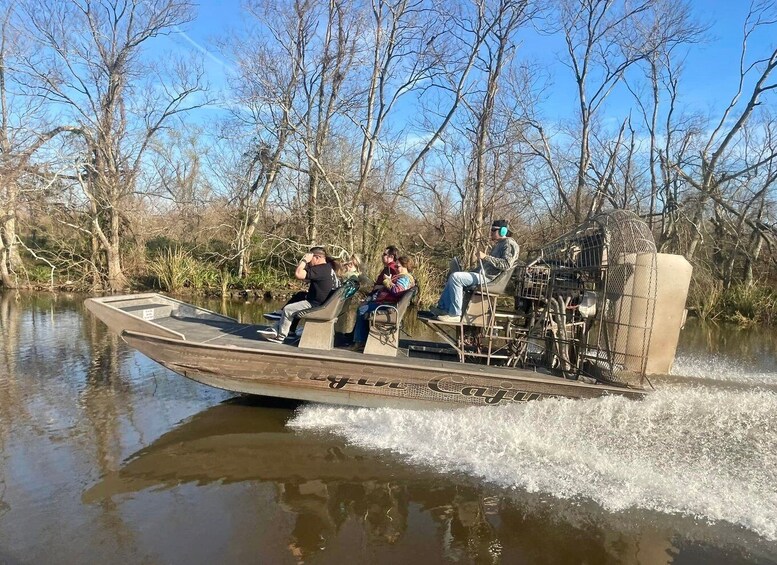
(503, 231)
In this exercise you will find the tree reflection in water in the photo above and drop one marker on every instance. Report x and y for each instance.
(339, 495)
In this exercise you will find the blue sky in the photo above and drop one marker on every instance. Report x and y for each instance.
(711, 69)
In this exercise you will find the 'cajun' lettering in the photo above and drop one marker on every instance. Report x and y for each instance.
(498, 395)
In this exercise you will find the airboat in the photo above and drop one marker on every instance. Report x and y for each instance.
(593, 313)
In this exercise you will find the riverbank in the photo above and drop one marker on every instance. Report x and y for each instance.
(742, 305)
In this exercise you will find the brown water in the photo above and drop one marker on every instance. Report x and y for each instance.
(106, 456)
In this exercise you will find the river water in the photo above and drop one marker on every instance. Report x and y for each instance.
(105, 455)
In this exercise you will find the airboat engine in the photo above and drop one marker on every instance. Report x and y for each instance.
(602, 304)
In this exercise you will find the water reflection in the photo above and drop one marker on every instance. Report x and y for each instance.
(331, 489)
(338, 495)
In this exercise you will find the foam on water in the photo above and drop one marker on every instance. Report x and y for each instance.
(707, 453)
(721, 368)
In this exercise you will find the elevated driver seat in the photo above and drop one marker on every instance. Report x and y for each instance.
(480, 300)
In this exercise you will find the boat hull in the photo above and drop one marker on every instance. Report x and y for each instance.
(312, 377)
(221, 352)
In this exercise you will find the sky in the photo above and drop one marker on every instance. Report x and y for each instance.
(710, 76)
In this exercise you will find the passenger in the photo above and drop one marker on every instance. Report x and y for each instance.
(389, 257)
(318, 268)
(350, 268)
(503, 255)
(390, 292)
(343, 271)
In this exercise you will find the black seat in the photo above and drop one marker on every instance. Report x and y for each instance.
(393, 313)
(334, 303)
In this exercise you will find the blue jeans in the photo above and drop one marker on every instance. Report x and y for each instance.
(453, 294)
(362, 328)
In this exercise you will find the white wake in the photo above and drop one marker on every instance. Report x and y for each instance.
(702, 452)
(721, 368)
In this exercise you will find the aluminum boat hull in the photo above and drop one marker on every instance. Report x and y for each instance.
(221, 352)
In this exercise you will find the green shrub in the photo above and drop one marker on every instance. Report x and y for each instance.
(40, 274)
(203, 276)
(224, 279)
(747, 305)
(265, 278)
(705, 298)
(159, 245)
(172, 268)
(744, 305)
(429, 278)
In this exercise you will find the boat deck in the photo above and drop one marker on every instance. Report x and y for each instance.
(235, 334)
(217, 332)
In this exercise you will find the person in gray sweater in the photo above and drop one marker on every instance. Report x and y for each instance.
(503, 256)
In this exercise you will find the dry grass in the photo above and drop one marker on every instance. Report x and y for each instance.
(430, 280)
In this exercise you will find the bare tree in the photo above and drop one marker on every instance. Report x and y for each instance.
(600, 45)
(401, 48)
(504, 17)
(661, 33)
(23, 132)
(286, 86)
(720, 166)
(90, 66)
(405, 50)
(472, 52)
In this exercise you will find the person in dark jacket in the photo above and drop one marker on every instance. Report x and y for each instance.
(389, 258)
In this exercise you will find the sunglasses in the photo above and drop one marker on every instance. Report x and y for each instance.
(495, 229)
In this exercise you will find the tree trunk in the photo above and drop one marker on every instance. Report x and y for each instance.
(582, 165)
(698, 218)
(312, 208)
(14, 258)
(756, 244)
(5, 275)
(653, 126)
(116, 279)
(243, 261)
(10, 260)
(97, 278)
